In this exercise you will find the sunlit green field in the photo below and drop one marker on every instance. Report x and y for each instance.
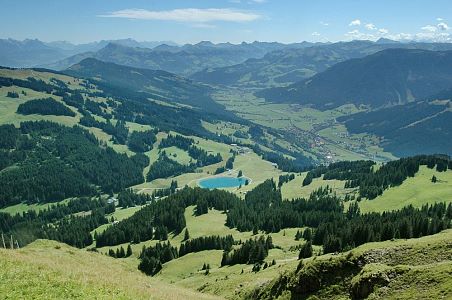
(416, 191)
(24, 207)
(8, 108)
(295, 189)
(119, 215)
(179, 155)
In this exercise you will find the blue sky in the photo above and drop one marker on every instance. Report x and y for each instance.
(190, 21)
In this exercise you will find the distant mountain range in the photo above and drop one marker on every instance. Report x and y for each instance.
(27, 53)
(255, 65)
(182, 60)
(393, 76)
(31, 53)
(289, 65)
(95, 46)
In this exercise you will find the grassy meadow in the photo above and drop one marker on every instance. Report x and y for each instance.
(51, 270)
(416, 191)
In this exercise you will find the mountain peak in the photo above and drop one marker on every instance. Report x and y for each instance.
(386, 41)
(205, 44)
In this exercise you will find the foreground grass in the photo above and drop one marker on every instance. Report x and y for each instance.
(49, 270)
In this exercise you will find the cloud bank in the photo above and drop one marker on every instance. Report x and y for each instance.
(428, 33)
(189, 15)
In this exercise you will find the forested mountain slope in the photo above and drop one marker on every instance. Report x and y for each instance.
(394, 76)
(413, 128)
(160, 85)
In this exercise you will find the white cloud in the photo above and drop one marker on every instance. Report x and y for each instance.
(426, 36)
(371, 26)
(315, 34)
(429, 28)
(439, 19)
(443, 26)
(372, 32)
(358, 35)
(401, 37)
(356, 22)
(259, 1)
(324, 23)
(191, 15)
(440, 27)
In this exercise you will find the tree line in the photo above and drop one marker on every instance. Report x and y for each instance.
(285, 179)
(165, 167)
(203, 158)
(30, 83)
(372, 182)
(58, 222)
(353, 229)
(120, 252)
(251, 252)
(167, 215)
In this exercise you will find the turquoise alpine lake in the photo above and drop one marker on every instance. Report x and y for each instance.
(222, 182)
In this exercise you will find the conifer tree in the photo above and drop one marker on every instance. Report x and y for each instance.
(307, 234)
(122, 253)
(306, 250)
(129, 251)
(186, 235)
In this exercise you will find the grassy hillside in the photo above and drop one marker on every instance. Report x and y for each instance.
(295, 189)
(50, 270)
(416, 191)
(400, 269)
